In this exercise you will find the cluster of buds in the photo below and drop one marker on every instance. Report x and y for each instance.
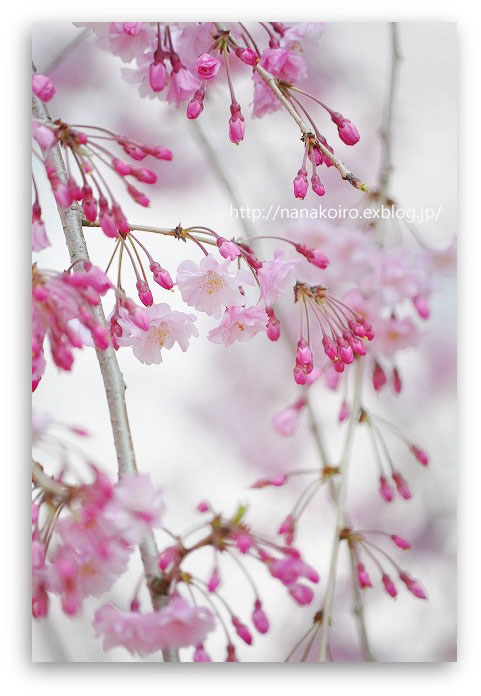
(232, 536)
(89, 154)
(379, 378)
(344, 331)
(384, 459)
(360, 543)
(57, 299)
(207, 66)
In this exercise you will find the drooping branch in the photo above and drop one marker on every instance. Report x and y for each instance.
(341, 496)
(306, 132)
(114, 385)
(387, 127)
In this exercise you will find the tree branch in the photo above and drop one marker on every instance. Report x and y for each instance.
(114, 385)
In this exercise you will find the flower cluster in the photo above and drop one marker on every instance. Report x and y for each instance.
(87, 155)
(233, 537)
(61, 310)
(94, 541)
(178, 62)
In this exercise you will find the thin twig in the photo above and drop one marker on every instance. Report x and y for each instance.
(340, 518)
(387, 127)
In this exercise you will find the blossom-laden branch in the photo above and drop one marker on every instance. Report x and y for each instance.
(114, 385)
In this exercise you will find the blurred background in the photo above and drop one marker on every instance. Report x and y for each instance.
(201, 421)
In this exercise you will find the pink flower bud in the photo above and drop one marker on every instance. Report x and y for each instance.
(43, 87)
(389, 586)
(229, 250)
(203, 506)
(344, 412)
(167, 557)
(146, 176)
(329, 348)
(161, 276)
(413, 586)
(243, 542)
(236, 124)
(161, 153)
(108, 224)
(121, 167)
(200, 654)
(207, 66)
(259, 619)
(397, 381)
(242, 630)
(345, 352)
(385, 489)
(138, 196)
(303, 354)
(401, 485)
(301, 184)
(399, 541)
(214, 580)
(273, 328)
(44, 136)
(131, 28)
(145, 295)
(301, 593)
(348, 133)
(317, 185)
(421, 305)
(287, 529)
(247, 56)
(231, 656)
(362, 577)
(279, 480)
(195, 107)
(89, 204)
(378, 377)
(157, 76)
(314, 256)
(420, 455)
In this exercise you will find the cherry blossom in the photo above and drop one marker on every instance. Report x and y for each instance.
(275, 277)
(166, 327)
(210, 285)
(239, 324)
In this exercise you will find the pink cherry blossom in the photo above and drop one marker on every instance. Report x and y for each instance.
(88, 563)
(181, 624)
(276, 276)
(265, 101)
(287, 420)
(182, 86)
(127, 40)
(392, 335)
(43, 87)
(44, 136)
(284, 64)
(207, 66)
(39, 235)
(166, 327)
(239, 324)
(138, 633)
(210, 285)
(136, 508)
